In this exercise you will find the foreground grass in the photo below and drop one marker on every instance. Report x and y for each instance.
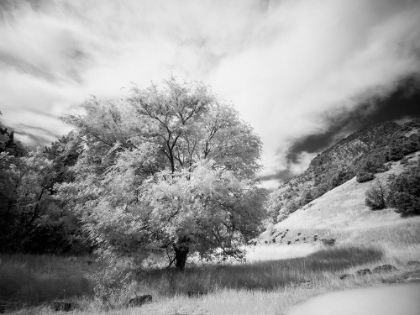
(245, 289)
(34, 279)
(268, 276)
(265, 287)
(229, 301)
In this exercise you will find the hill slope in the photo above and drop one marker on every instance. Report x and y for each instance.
(341, 214)
(368, 150)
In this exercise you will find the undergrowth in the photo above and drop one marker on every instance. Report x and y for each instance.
(33, 279)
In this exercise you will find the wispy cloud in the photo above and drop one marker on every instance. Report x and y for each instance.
(284, 64)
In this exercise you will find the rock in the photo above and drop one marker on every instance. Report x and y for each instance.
(252, 242)
(273, 240)
(192, 294)
(363, 272)
(299, 234)
(140, 300)
(413, 263)
(384, 268)
(65, 306)
(407, 277)
(297, 240)
(289, 242)
(328, 241)
(345, 276)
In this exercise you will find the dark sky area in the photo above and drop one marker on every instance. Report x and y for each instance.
(403, 103)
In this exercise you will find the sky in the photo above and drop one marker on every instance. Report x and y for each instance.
(304, 74)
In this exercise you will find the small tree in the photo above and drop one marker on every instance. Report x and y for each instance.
(376, 196)
(405, 192)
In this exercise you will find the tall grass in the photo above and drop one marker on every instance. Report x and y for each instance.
(269, 275)
(270, 287)
(34, 279)
(30, 279)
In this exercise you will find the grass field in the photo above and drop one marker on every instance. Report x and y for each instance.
(275, 277)
(270, 287)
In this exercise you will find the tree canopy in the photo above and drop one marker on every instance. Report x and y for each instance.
(170, 166)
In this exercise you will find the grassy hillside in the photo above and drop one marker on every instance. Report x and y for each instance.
(341, 214)
(366, 151)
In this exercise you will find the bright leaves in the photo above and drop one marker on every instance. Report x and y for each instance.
(171, 167)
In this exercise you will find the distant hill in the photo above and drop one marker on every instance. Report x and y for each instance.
(370, 150)
(354, 146)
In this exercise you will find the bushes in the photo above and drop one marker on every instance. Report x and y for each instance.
(405, 192)
(362, 177)
(374, 163)
(376, 196)
(341, 177)
(395, 153)
(403, 146)
(114, 285)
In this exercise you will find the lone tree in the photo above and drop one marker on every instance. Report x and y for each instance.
(171, 167)
(376, 196)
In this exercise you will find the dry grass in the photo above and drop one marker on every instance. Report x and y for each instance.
(233, 302)
(268, 275)
(255, 288)
(270, 287)
(365, 239)
(342, 214)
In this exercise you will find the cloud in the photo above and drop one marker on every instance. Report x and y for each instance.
(399, 105)
(329, 58)
(296, 70)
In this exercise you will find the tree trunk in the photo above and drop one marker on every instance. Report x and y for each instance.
(181, 252)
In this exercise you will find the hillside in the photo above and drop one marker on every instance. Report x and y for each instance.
(371, 150)
(341, 214)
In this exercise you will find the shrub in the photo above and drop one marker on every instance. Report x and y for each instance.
(362, 177)
(115, 283)
(341, 177)
(395, 153)
(405, 192)
(328, 241)
(376, 196)
(374, 164)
